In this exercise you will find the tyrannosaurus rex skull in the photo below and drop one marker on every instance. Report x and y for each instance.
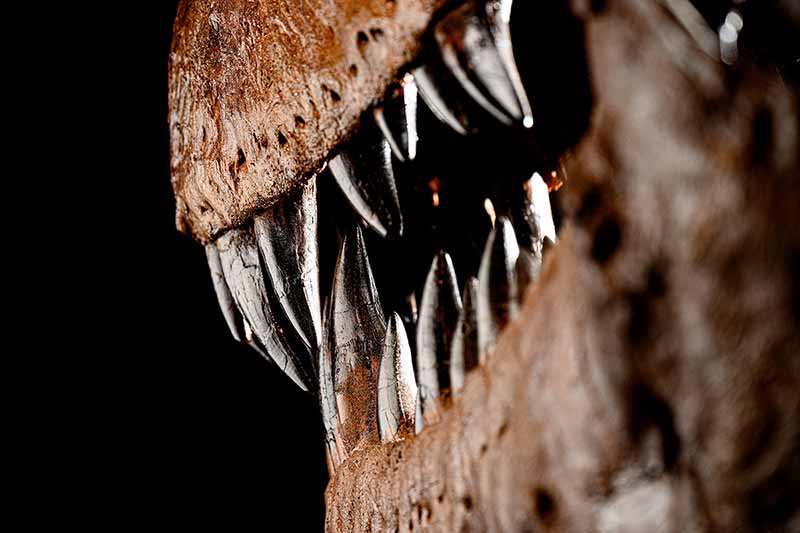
(372, 181)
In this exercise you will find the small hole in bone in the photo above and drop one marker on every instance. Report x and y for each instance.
(299, 121)
(545, 505)
(362, 39)
(467, 502)
(241, 159)
(376, 33)
(335, 96)
(607, 239)
(353, 70)
(282, 139)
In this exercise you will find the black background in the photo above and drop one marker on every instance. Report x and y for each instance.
(169, 422)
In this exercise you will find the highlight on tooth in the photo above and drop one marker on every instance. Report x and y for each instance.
(224, 297)
(464, 353)
(287, 238)
(397, 119)
(476, 48)
(397, 388)
(497, 283)
(447, 110)
(438, 315)
(255, 298)
(363, 171)
(356, 332)
(538, 196)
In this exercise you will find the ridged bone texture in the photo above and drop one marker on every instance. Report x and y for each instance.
(651, 380)
(261, 92)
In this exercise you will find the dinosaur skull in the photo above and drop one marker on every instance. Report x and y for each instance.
(375, 182)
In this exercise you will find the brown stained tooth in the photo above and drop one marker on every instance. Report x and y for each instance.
(432, 87)
(464, 353)
(327, 397)
(397, 389)
(287, 238)
(438, 315)
(397, 119)
(255, 299)
(468, 42)
(229, 310)
(356, 332)
(363, 171)
(497, 284)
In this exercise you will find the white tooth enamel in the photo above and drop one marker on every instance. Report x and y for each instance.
(224, 297)
(541, 208)
(410, 102)
(397, 389)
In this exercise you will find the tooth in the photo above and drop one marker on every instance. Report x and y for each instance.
(537, 197)
(464, 353)
(419, 422)
(439, 310)
(529, 264)
(232, 316)
(497, 283)
(327, 398)
(363, 170)
(432, 86)
(397, 390)
(356, 332)
(252, 341)
(287, 238)
(397, 119)
(477, 47)
(241, 265)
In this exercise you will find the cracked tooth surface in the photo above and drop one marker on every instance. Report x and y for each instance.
(397, 119)
(464, 353)
(438, 315)
(357, 329)
(363, 171)
(241, 265)
(229, 310)
(497, 284)
(397, 389)
(327, 398)
(287, 238)
(476, 48)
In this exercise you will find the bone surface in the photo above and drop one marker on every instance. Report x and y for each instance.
(397, 388)
(287, 238)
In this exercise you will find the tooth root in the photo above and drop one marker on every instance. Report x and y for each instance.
(356, 332)
(464, 353)
(449, 112)
(327, 397)
(439, 310)
(397, 389)
(255, 299)
(476, 48)
(497, 284)
(397, 119)
(363, 171)
(229, 310)
(287, 238)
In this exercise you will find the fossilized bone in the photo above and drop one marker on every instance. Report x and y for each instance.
(646, 380)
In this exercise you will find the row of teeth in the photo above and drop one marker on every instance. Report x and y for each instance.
(266, 276)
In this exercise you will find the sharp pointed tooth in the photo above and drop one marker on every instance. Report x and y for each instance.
(439, 310)
(327, 398)
(363, 170)
(539, 212)
(476, 48)
(287, 238)
(357, 329)
(397, 389)
(497, 283)
(432, 88)
(241, 265)
(397, 119)
(232, 316)
(464, 353)
(529, 264)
